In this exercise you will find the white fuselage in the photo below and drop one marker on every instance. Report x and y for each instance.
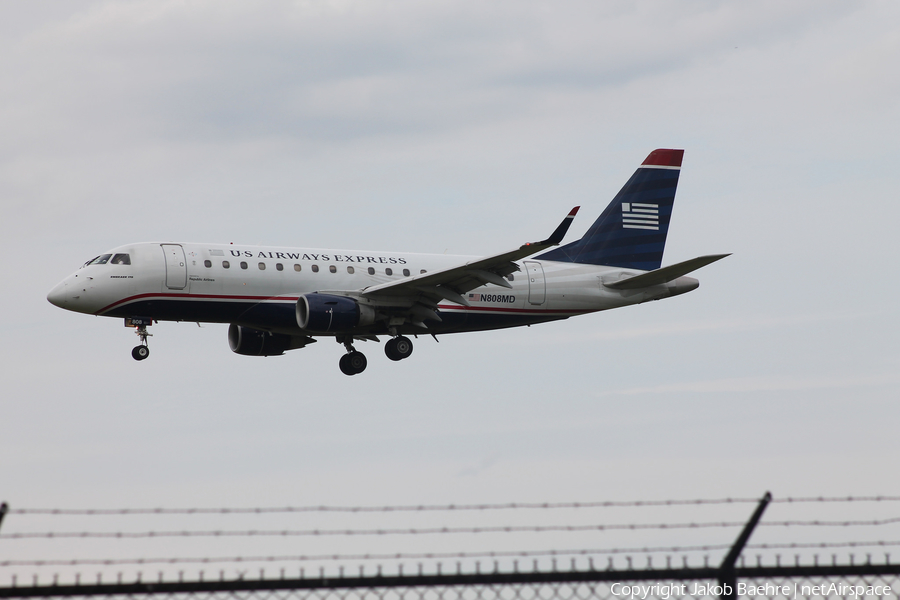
(226, 283)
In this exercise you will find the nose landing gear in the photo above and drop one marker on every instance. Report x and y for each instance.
(140, 328)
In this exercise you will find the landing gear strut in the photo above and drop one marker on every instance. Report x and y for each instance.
(398, 348)
(143, 351)
(354, 362)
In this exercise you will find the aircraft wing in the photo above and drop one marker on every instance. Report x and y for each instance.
(451, 283)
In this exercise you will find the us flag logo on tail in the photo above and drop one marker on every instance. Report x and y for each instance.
(638, 215)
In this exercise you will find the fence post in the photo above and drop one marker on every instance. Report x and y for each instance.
(4, 508)
(727, 575)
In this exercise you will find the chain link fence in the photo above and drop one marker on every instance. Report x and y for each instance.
(476, 559)
(858, 586)
(789, 582)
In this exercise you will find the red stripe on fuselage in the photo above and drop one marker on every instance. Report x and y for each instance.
(195, 297)
(444, 307)
(502, 309)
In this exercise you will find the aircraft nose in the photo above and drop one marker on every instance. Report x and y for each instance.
(57, 295)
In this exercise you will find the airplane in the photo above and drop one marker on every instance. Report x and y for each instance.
(277, 299)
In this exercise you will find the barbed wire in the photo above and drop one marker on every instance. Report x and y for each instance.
(434, 530)
(365, 509)
(837, 499)
(440, 555)
(435, 507)
(366, 532)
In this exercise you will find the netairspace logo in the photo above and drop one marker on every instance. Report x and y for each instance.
(678, 590)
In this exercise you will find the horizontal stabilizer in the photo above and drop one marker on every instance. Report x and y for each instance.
(666, 274)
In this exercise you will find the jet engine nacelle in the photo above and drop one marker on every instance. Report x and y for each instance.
(324, 313)
(253, 342)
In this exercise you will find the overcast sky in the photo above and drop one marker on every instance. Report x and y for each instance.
(469, 128)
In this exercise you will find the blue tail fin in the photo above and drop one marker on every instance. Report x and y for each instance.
(631, 232)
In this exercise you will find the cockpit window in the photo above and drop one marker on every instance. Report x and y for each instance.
(121, 259)
(100, 260)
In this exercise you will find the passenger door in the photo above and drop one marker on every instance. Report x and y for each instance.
(537, 289)
(176, 267)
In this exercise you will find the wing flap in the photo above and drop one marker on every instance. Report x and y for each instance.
(452, 282)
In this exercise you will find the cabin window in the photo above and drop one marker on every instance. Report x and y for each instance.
(389, 271)
(511, 277)
(279, 267)
(100, 260)
(351, 270)
(371, 270)
(226, 264)
(120, 259)
(297, 268)
(262, 266)
(207, 264)
(243, 265)
(332, 268)
(315, 268)
(406, 272)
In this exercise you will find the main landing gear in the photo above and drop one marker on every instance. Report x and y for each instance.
(354, 362)
(398, 348)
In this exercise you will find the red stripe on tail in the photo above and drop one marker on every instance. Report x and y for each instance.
(664, 158)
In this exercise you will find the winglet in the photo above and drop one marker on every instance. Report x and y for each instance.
(557, 236)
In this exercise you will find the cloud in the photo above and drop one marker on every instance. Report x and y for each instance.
(335, 70)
